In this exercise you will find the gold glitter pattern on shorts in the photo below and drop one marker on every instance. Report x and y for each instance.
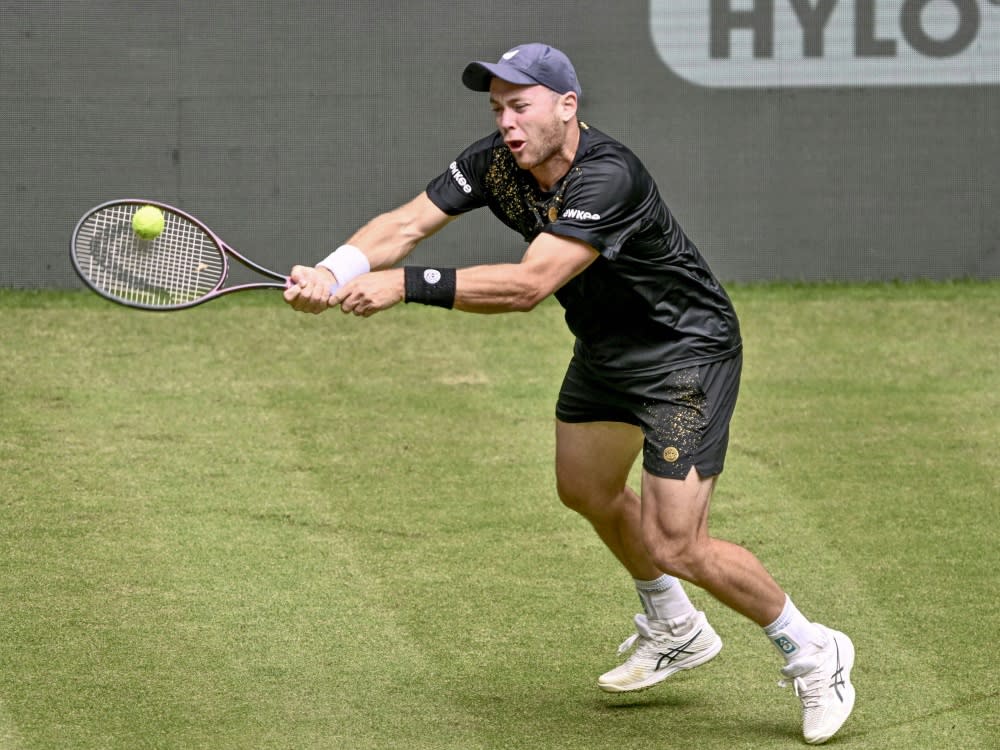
(678, 424)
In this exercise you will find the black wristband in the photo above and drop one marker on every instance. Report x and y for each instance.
(429, 286)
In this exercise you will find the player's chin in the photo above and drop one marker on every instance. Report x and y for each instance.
(524, 160)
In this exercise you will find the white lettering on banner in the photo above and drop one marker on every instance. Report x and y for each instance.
(458, 177)
(576, 213)
(784, 43)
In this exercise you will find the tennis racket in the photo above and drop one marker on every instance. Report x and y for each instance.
(184, 266)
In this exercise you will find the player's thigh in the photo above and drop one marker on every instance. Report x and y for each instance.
(593, 459)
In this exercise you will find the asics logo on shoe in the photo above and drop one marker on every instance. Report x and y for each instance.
(837, 679)
(676, 652)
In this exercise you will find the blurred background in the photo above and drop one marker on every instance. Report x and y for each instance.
(854, 142)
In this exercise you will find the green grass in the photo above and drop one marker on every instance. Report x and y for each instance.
(238, 527)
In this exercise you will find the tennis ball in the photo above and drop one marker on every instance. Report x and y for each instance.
(148, 222)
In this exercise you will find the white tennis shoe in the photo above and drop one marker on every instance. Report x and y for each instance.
(658, 655)
(822, 681)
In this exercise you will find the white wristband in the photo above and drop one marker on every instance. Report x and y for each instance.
(346, 262)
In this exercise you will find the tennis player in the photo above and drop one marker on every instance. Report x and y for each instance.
(655, 367)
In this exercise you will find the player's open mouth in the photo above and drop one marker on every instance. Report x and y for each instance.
(515, 146)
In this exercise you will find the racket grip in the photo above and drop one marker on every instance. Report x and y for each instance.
(289, 283)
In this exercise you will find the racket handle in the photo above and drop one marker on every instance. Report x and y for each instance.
(333, 287)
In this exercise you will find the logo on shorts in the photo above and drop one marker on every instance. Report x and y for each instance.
(671, 454)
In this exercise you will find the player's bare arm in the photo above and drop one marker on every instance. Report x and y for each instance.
(549, 262)
(390, 237)
(384, 241)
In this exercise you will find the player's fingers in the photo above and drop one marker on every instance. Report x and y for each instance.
(299, 273)
(369, 308)
(299, 292)
(351, 304)
(336, 297)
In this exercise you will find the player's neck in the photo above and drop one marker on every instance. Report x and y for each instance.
(548, 173)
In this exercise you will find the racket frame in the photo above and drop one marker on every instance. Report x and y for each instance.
(226, 252)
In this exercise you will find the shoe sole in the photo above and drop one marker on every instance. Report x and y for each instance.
(846, 647)
(657, 677)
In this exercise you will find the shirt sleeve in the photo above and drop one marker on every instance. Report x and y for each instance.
(459, 188)
(604, 203)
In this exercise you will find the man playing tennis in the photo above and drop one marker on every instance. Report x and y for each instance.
(655, 368)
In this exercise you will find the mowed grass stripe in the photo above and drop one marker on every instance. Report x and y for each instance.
(909, 424)
(184, 534)
(228, 518)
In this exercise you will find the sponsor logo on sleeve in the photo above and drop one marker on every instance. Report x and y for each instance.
(458, 177)
(576, 213)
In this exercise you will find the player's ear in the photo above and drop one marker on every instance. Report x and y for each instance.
(568, 105)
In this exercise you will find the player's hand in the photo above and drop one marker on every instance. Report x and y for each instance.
(370, 292)
(309, 289)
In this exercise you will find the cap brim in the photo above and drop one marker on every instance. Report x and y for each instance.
(477, 75)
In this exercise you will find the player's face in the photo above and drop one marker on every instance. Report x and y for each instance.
(531, 120)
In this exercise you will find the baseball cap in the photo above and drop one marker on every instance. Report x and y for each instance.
(525, 64)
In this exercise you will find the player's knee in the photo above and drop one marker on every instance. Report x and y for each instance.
(677, 556)
(572, 495)
(582, 497)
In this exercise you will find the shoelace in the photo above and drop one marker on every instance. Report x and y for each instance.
(642, 631)
(627, 643)
(808, 694)
(808, 685)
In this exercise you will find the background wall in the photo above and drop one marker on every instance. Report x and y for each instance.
(285, 125)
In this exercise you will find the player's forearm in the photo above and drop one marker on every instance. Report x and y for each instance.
(548, 263)
(498, 289)
(390, 237)
(386, 239)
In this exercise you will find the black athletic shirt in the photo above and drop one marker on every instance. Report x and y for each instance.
(649, 304)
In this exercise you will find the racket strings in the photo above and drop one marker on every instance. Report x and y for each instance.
(181, 265)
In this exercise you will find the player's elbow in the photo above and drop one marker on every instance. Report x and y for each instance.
(523, 303)
(529, 295)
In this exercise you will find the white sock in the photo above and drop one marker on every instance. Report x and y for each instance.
(666, 601)
(793, 634)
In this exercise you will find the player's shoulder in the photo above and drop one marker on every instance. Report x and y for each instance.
(607, 162)
(600, 151)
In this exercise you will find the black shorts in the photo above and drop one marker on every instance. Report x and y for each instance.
(684, 415)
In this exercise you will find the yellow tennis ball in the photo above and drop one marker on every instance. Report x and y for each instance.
(148, 222)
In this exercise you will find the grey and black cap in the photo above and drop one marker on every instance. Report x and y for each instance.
(525, 65)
